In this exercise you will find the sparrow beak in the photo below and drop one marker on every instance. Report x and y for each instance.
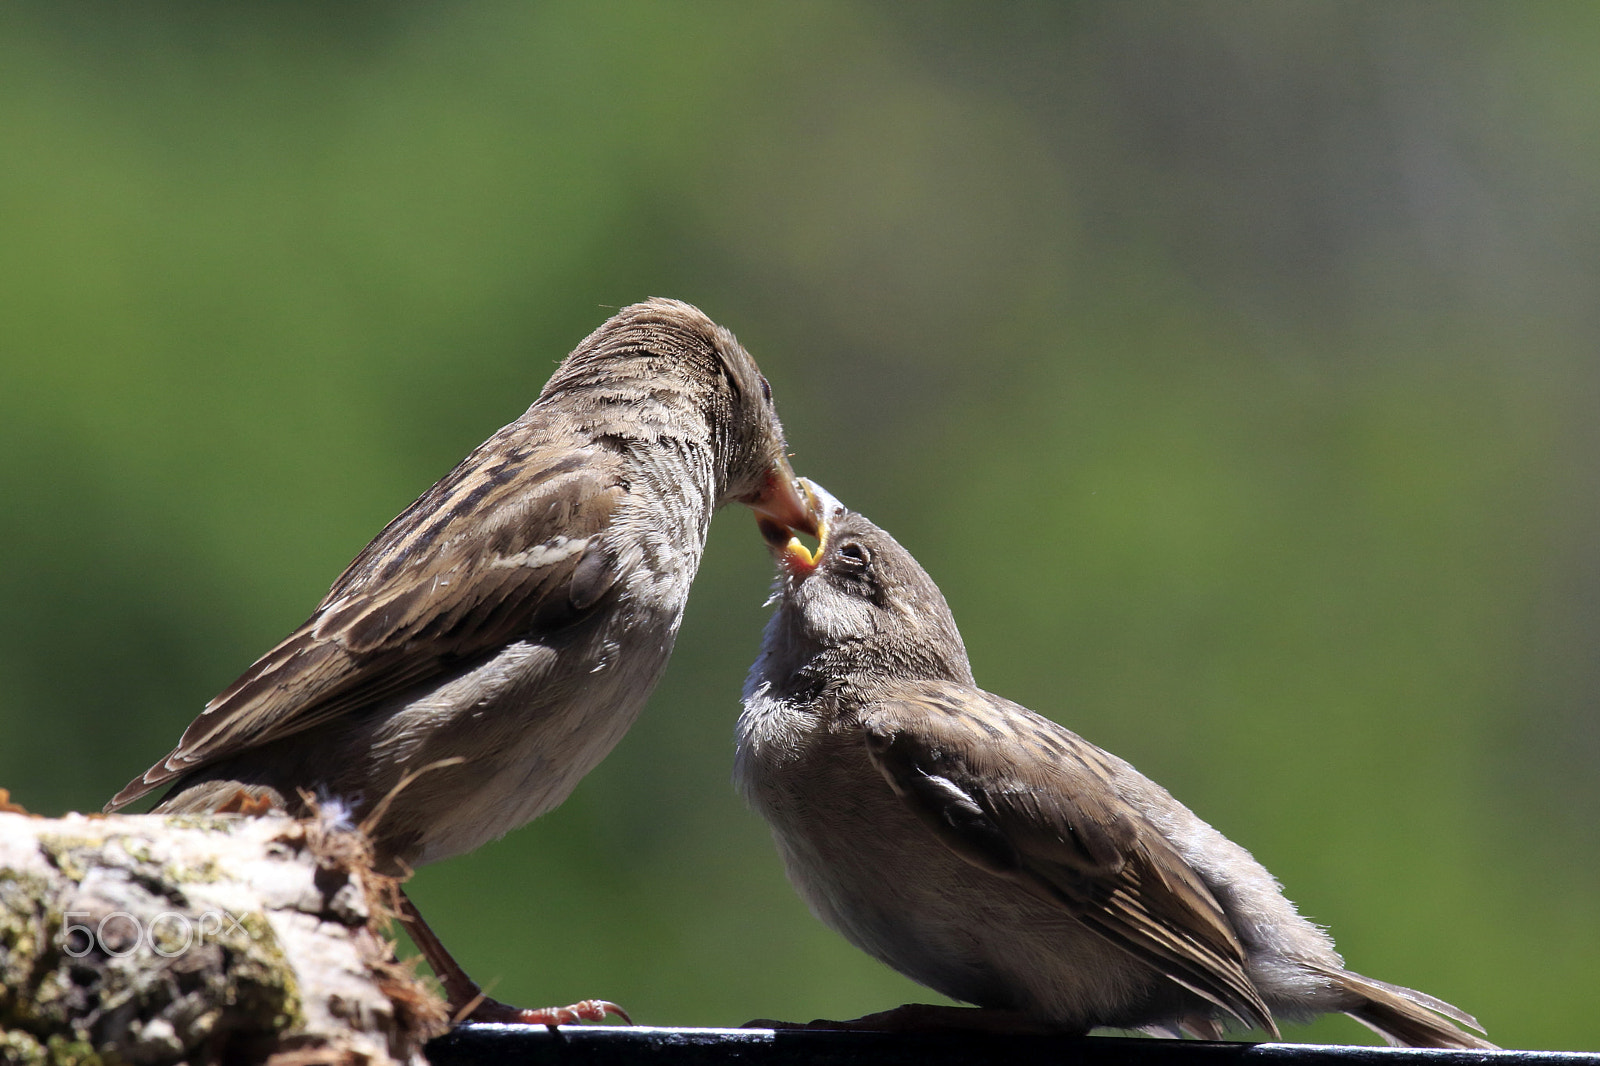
(791, 551)
(784, 502)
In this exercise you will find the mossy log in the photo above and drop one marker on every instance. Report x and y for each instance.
(142, 939)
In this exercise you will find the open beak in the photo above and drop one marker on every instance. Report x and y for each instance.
(791, 551)
(784, 502)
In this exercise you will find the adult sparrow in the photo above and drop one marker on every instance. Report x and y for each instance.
(493, 643)
(989, 853)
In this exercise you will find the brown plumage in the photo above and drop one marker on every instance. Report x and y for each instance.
(987, 852)
(496, 639)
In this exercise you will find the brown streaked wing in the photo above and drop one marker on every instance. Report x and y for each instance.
(503, 545)
(1016, 794)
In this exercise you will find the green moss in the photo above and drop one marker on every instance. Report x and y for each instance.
(252, 989)
(138, 850)
(204, 873)
(19, 1047)
(20, 900)
(73, 856)
(211, 823)
(64, 1051)
(261, 979)
(24, 920)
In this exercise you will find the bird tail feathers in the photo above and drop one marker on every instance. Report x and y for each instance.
(1405, 1016)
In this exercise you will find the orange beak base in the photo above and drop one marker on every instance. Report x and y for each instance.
(783, 502)
(783, 507)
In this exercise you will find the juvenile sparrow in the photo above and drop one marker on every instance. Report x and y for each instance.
(987, 852)
(494, 642)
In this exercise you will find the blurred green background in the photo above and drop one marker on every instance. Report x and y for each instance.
(1232, 366)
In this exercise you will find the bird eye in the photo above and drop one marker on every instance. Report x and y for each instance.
(766, 390)
(852, 553)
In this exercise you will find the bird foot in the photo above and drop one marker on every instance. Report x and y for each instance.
(485, 1009)
(468, 1002)
(929, 1017)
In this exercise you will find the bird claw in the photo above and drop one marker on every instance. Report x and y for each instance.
(588, 1010)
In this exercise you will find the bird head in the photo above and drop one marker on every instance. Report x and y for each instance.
(858, 600)
(662, 370)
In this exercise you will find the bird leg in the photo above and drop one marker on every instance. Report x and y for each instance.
(467, 1000)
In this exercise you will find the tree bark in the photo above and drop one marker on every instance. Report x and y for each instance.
(227, 938)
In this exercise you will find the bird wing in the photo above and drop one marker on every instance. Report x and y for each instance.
(1018, 795)
(505, 546)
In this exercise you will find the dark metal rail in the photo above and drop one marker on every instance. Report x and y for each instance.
(480, 1045)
